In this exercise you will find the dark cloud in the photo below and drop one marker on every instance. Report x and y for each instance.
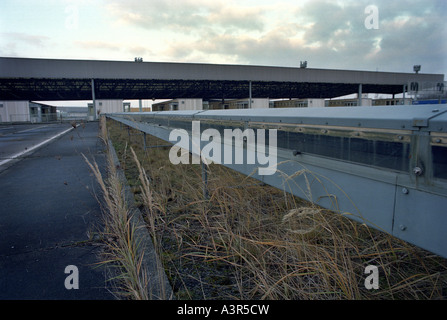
(186, 15)
(328, 34)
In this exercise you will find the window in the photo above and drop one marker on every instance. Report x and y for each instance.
(439, 162)
(384, 154)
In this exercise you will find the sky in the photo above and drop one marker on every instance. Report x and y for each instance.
(371, 35)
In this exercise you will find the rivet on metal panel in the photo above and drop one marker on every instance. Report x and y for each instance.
(403, 227)
(405, 191)
(417, 171)
(296, 152)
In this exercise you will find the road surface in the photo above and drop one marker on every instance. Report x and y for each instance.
(48, 212)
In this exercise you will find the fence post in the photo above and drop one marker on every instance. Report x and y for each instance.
(205, 181)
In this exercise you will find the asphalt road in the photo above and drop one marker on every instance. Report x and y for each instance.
(17, 140)
(48, 210)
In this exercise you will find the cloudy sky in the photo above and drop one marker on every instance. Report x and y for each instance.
(349, 34)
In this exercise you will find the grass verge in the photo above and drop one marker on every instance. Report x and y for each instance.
(252, 241)
(123, 251)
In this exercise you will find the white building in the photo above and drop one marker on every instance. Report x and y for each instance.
(299, 103)
(178, 104)
(256, 103)
(12, 111)
(26, 111)
(105, 106)
(352, 102)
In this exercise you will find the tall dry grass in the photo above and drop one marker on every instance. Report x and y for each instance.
(251, 241)
(123, 252)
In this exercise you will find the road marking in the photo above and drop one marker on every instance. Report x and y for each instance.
(18, 132)
(35, 147)
(30, 129)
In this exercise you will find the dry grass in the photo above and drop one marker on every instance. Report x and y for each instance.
(123, 251)
(251, 241)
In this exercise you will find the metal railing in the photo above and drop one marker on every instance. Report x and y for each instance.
(383, 166)
(47, 117)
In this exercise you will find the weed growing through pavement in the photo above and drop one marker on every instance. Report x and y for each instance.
(123, 253)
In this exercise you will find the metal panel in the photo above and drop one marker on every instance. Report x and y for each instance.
(438, 123)
(56, 79)
(379, 117)
(421, 219)
(354, 196)
(57, 68)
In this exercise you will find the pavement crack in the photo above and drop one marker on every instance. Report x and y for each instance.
(94, 241)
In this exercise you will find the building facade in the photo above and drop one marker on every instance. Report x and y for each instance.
(354, 102)
(299, 103)
(256, 103)
(105, 106)
(392, 102)
(178, 104)
(26, 111)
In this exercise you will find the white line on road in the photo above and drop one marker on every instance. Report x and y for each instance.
(34, 147)
(30, 129)
(18, 132)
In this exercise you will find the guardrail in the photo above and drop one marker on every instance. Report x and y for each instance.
(47, 117)
(383, 166)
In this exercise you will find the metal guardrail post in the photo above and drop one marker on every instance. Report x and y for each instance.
(205, 180)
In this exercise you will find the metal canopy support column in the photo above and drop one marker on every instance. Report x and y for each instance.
(360, 96)
(205, 181)
(94, 99)
(249, 95)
